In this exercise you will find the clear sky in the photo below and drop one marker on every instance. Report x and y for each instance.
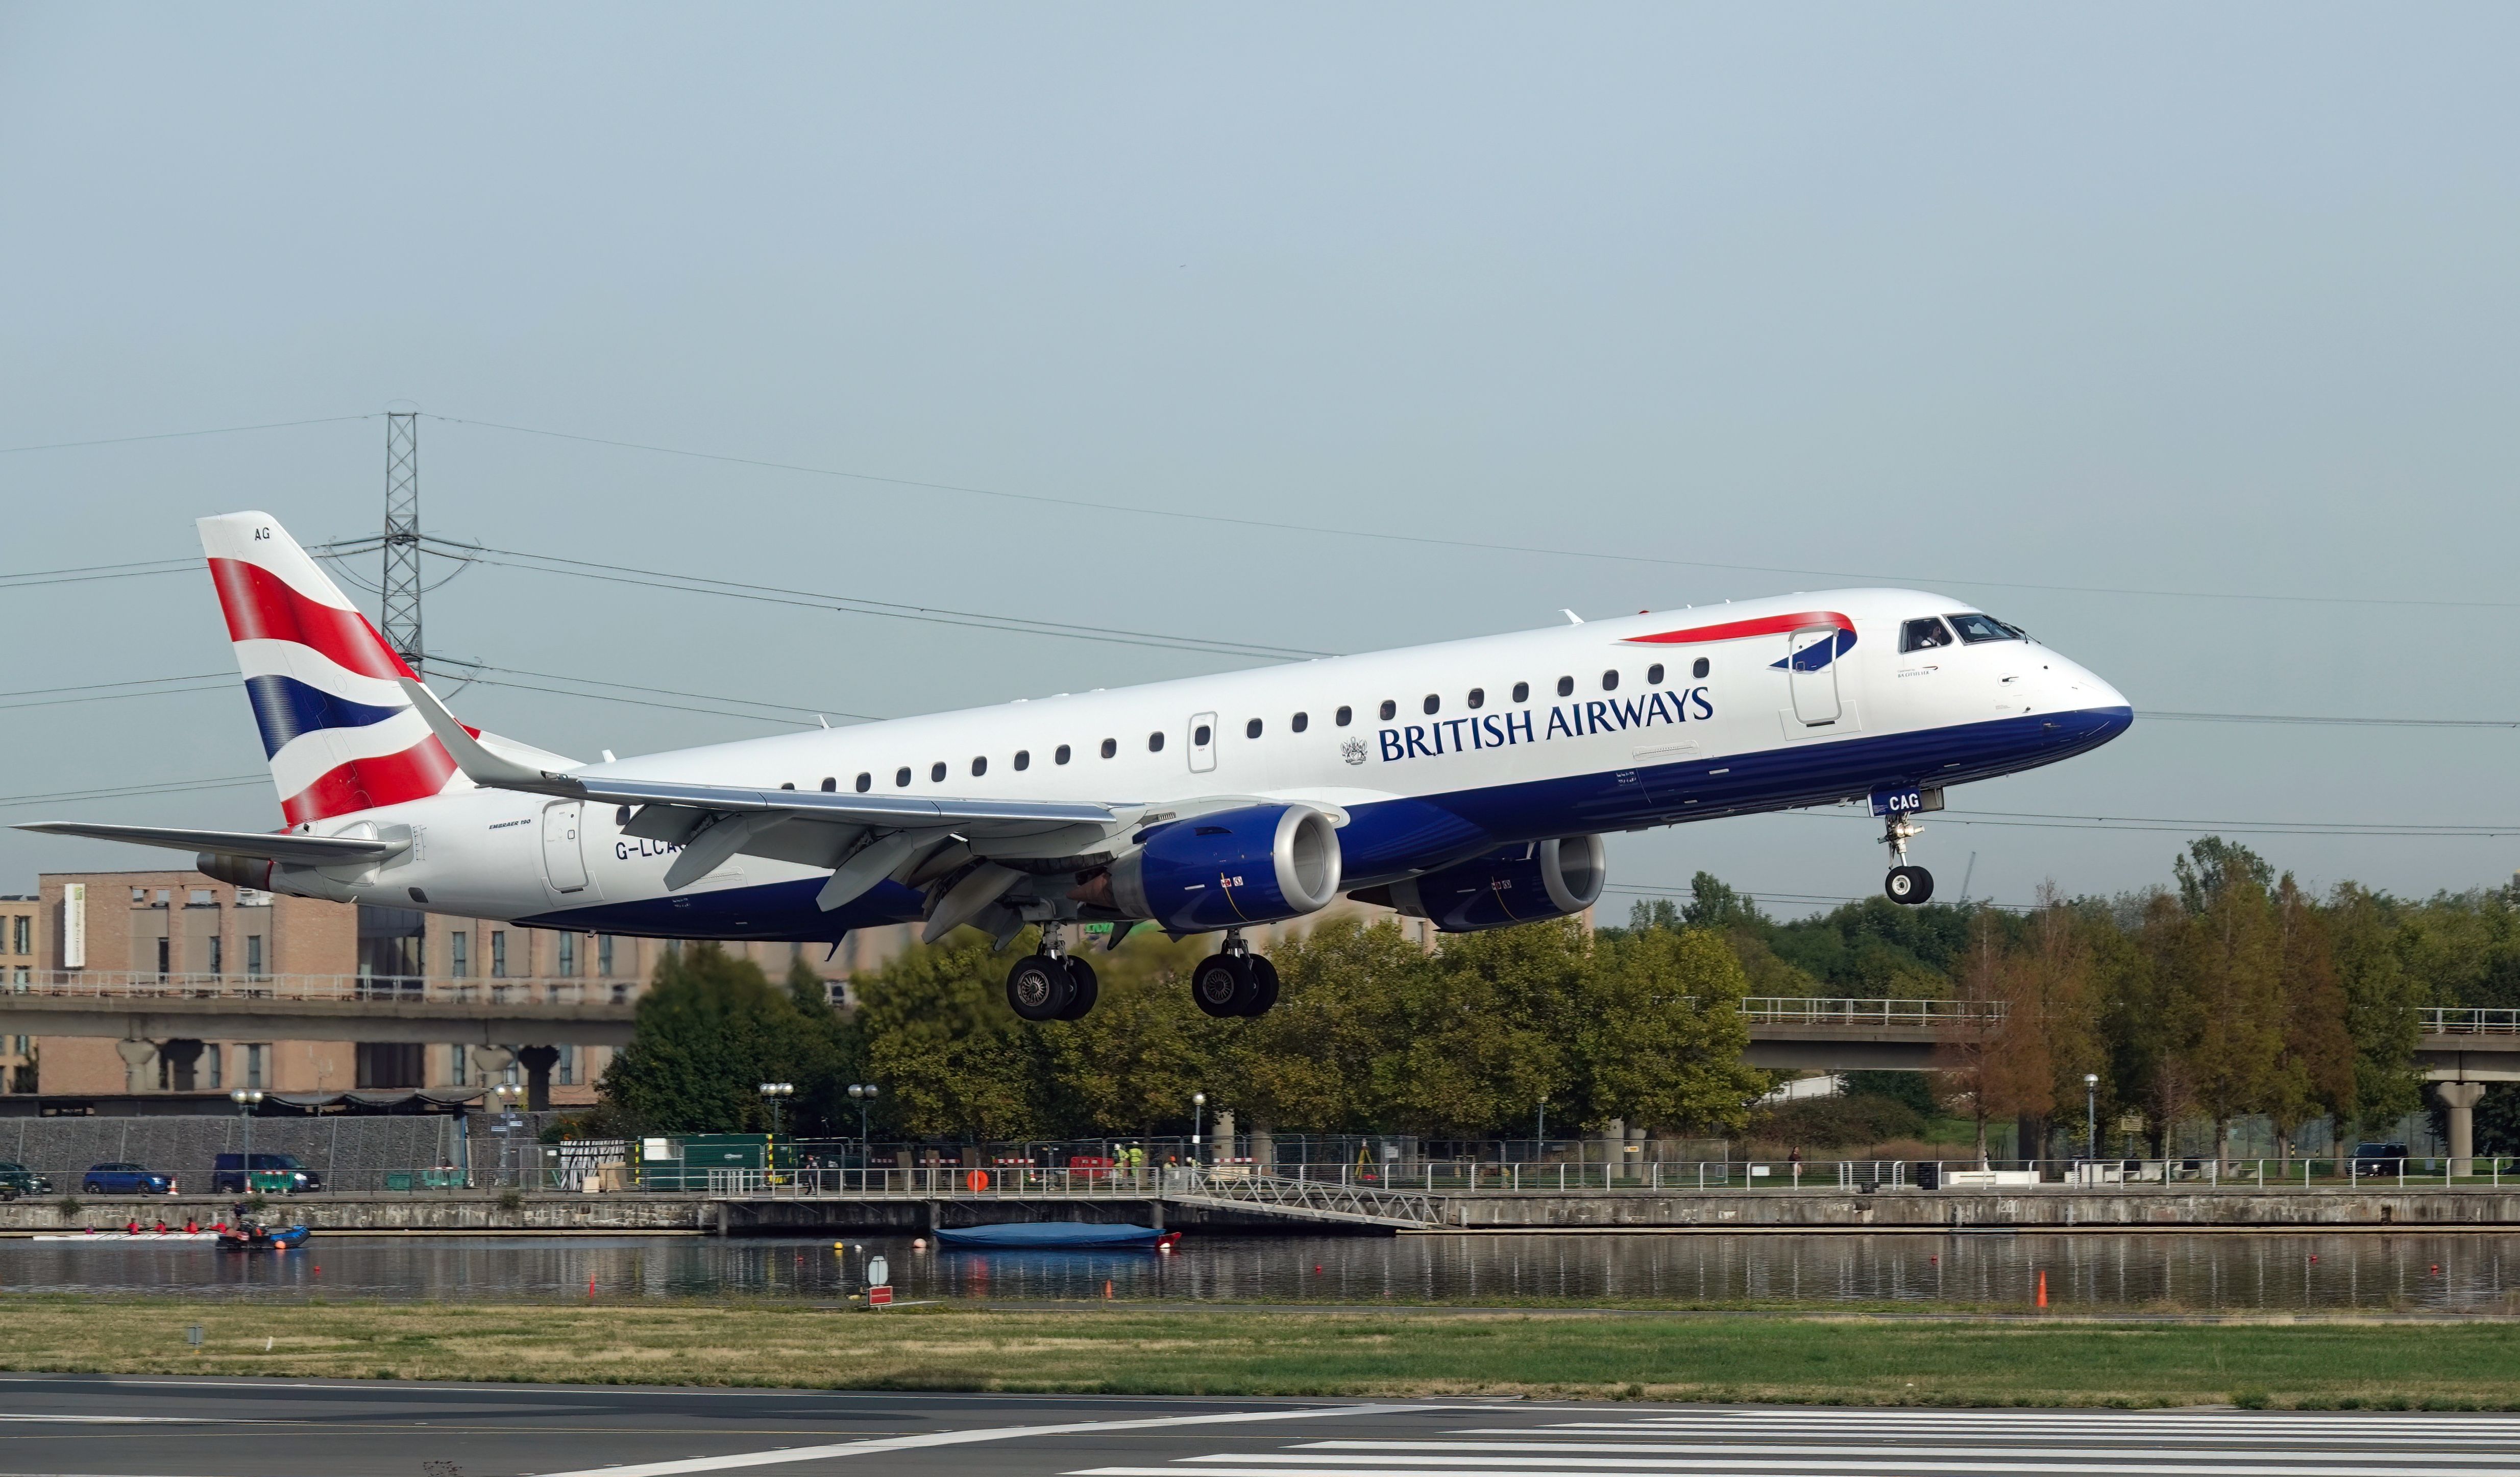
(1661, 304)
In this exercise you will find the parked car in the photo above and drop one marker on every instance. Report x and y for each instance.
(2380, 1158)
(16, 1179)
(281, 1172)
(125, 1180)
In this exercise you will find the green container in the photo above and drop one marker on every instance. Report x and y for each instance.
(702, 1152)
(399, 1180)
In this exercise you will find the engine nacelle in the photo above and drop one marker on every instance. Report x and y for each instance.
(1258, 864)
(1523, 884)
(244, 871)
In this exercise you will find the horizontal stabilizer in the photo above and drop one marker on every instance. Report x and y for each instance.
(284, 847)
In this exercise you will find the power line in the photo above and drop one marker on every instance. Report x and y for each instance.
(671, 692)
(1431, 540)
(169, 435)
(120, 792)
(613, 573)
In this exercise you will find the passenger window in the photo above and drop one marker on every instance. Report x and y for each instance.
(901, 776)
(865, 782)
(1059, 756)
(1155, 741)
(1389, 707)
(1565, 687)
(1700, 668)
(936, 772)
(1974, 628)
(831, 782)
(1023, 758)
(1609, 681)
(1344, 716)
(979, 766)
(1653, 676)
(1478, 698)
(1522, 692)
(1111, 747)
(1299, 722)
(787, 784)
(1925, 635)
(1251, 729)
(1198, 736)
(1433, 702)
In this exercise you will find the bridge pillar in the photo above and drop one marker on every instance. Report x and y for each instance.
(538, 1062)
(2459, 1100)
(136, 1058)
(1155, 1214)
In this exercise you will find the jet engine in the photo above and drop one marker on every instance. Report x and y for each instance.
(1257, 865)
(1521, 884)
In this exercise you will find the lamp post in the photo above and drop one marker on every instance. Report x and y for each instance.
(864, 1096)
(1197, 1119)
(246, 1100)
(2091, 1112)
(507, 1094)
(1540, 1126)
(774, 1094)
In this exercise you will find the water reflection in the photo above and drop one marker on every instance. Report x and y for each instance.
(2083, 1273)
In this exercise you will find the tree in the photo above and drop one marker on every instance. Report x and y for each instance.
(952, 1060)
(2381, 997)
(1658, 1033)
(709, 1030)
(2313, 1073)
(1993, 1050)
(2229, 969)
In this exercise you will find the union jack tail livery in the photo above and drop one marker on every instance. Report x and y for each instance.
(338, 729)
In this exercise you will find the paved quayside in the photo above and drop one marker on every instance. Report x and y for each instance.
(164, 1427)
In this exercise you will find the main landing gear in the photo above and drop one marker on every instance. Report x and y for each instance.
(1053, 984)
(1910, 885)
(1235, 980)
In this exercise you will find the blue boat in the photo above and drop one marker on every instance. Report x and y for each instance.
(259, 1239)
(1055, 1236)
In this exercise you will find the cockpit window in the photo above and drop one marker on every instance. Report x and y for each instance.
(1925, 635)
(1974, 628)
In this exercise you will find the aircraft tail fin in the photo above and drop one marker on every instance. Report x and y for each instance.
(339, 732)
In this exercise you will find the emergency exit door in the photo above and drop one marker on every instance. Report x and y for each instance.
(1811, 665)
(564, 862)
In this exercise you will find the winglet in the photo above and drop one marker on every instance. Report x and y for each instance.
(480, 765)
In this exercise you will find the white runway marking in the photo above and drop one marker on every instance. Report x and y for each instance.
(2281, 1462)
(962, 1438)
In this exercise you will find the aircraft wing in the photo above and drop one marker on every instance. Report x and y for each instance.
(282, 846)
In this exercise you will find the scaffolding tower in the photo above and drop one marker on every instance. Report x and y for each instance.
(401, 587)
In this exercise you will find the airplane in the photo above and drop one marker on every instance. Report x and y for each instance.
(1469, 783)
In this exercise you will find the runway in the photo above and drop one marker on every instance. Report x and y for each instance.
(141, 1426)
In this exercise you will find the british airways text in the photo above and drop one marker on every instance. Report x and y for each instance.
(1497, 730)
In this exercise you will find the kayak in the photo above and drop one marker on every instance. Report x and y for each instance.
(279, 1241)
(127, 1238)
(1055, 1235)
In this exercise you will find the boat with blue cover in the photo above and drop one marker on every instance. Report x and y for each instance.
(262, 1238)
(1056, 1235)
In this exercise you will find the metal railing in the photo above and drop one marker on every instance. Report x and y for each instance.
(1783, 1010)
(97, 984)
(2461, 1020)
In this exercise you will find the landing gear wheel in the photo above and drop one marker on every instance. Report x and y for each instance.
(1910, 885)
(1039, 987)
(1084, 987)
(1264, 982)
(1223, 985)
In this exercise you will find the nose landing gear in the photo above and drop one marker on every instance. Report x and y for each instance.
(1053, 984)
(1909, 885)
(1235, 980)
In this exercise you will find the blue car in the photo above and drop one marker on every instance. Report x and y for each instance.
(125, 1180)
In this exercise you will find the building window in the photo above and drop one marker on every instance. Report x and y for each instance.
(255, 1071)
(218, 954)
(458, 955)
(213, 1058)
(567, 969)
(565, 1071)
(498, 954)
(162, 958)
(604, 954)
(22, 935)
(200, 897)
(253, 965)
(455, 1066)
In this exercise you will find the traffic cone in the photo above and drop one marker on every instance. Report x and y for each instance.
(2042, 1287)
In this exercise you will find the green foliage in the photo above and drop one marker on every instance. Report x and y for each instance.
(1913, 1090)
(710, 1030)
(1841, 1123)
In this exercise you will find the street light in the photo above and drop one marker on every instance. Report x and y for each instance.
(773, 1093)
(2092, 1111)
(246, 1100)
(864, 1096)
(1197, 1116)
(507, 1094)
(1540, 1129)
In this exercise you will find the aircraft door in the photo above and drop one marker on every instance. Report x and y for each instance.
(1203, 742)
(564, 862)
(1810, 667)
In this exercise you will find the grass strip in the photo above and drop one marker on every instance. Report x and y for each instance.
(1800, 1359)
